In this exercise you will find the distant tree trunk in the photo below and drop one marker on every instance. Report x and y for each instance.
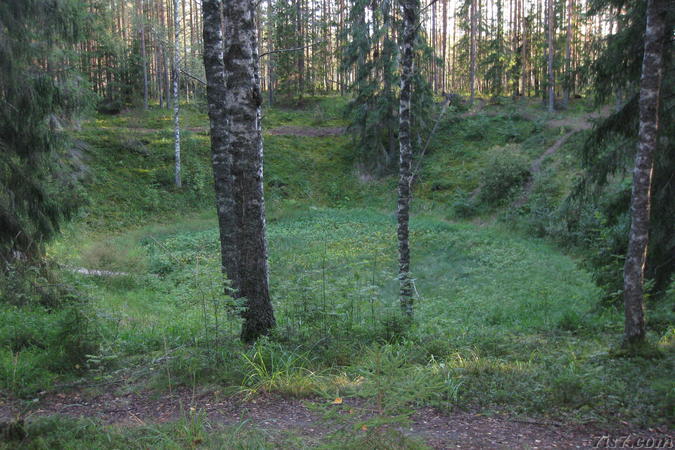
(568, 54)
(183, 27)
(524, 53)
(165, 61)
(444, 47)
(144, 58)
(434, 65)
(409, 11)
(453, 82)
(301, 53)
(619, 89)
(472, 75)
(270, 57)
(176, 102)
(650, 92)
(551, 76)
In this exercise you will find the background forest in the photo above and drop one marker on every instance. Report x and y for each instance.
(524, 122)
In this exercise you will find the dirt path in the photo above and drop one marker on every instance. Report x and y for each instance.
(277, 415)
(535, 168)
(575, 124)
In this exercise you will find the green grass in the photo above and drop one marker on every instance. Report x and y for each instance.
(505, 321)
(189, 432)
(490, 314)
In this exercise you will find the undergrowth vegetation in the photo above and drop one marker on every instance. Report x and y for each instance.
(505, 321)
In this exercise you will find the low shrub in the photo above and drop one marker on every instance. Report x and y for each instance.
(507, 169)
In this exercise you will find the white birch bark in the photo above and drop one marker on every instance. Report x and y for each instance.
(176, 95)
(409, 11)
(650, 92)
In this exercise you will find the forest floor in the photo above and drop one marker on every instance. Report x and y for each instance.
(315, 421)
(508, 350)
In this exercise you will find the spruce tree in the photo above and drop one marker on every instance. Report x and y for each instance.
(372, 55)
(39, 93)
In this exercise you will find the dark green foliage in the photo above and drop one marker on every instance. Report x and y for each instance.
(37, 186)
(496, 61)
(372, 53)
(44, 332)
(283, 19)
(507, 169)
(603, 195)
(373, 109)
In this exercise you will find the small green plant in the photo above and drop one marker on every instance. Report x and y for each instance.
(275, 369)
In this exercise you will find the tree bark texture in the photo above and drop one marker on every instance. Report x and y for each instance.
(234, 97)
(568, 54)
(409, 11)
(176, 97)
(650, 90)
(143, 54)
(221, 158)
(472, 50)
(551, 76)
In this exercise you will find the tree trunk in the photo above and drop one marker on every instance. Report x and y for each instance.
(176, 102)
(434, 66)
(270, 57)
(243, 103)
(525, 69)
(650, 91)
(568, 54)
(183, 27)
(472, 75)
(301, 53)
(143, 55)
(220, 156)
(444, 48)
(409, 11)
(234, 98)
(551, 77)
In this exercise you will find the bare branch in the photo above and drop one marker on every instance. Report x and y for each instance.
(189, 75)
(284, 50)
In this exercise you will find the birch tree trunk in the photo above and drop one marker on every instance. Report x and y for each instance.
(551, 77)
(234, 97)
(409, 11)
(650, 91)
(221, 158)
(242, 104)
(176, 102)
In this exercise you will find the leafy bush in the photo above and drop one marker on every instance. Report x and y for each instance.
(506, 170)
(465, 206)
